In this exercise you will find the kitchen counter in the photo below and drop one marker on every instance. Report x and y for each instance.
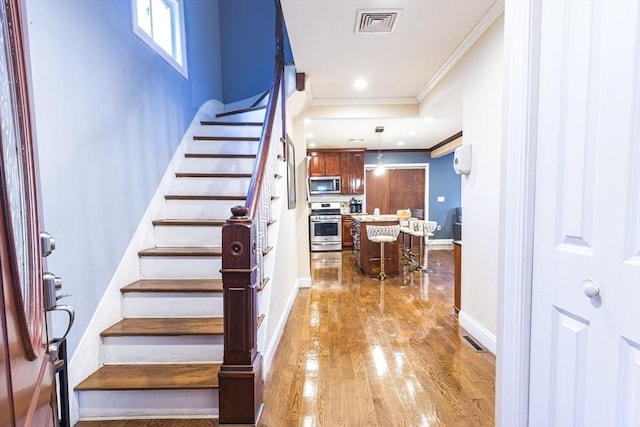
(367, 253)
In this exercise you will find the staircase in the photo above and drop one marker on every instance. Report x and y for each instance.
(162, 358)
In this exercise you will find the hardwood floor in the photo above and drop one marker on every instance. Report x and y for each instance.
(358, 352)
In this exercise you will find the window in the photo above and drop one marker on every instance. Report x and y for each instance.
(160, 24)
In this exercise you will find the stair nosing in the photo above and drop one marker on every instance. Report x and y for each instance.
(221, 123)
(202, 197)
(164, 327)
(226, 138)
(189, 222)
(211, 175)
(157, 380)
(173, 286)
(218, 156)
(182, 251)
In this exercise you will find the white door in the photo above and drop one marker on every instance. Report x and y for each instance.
(585, 337)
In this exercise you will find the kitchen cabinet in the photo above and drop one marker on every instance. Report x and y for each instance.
(324, 163)
(352, 165)
(347, 164)
(347, 239)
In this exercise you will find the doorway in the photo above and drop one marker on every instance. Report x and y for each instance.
(402, 186)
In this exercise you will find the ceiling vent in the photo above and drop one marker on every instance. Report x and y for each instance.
(381, 21)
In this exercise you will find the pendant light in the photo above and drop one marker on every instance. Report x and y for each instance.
(380, 168)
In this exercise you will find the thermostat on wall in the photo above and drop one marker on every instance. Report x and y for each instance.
(462, 159)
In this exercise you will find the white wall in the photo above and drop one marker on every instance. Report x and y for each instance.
(480, 74)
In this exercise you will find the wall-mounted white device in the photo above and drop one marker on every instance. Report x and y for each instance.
(462, 159)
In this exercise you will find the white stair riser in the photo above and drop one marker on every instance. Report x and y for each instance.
(217, 165)
(235, 131)
(222, 147)
(210, 186)
(200, 209)
(148, 403)
(250, 116)
(188, 235)
(148, 350)
(181, 267)
(172, 304)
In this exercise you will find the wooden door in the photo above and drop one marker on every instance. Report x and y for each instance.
(395, 189)
(585, 325)
(377, 192)
(27, 388)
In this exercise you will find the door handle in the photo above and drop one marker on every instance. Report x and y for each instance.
(52, 284)
(72, 317)
(591, 288)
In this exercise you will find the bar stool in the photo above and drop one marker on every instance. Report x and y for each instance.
(422, 229)
(382, 234)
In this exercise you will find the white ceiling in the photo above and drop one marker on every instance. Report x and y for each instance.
(401, 68)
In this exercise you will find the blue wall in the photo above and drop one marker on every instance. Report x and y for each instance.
(109, 115)
(443, 181)
(247, 33)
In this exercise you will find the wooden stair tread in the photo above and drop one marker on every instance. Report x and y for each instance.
(152, 377)
(263, 283)
(165, 326)
(191, 222)
(260, 319)
(226, 138)
(240, 111)
(271, 222)
(211, 175)
(267, 250)
(181, 251)
(218, 156)
(201, 197)
(222, 123)
(177, 285)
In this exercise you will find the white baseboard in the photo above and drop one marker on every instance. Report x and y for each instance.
(269, 353)
(88, 355)
(479, 332)
(440, 244)
(304, 282)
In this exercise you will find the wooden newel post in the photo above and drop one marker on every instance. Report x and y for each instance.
(240, 377)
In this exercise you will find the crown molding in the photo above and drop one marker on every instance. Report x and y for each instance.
(489, 18)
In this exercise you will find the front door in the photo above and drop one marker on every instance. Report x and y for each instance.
(585, 336)
(27, 387)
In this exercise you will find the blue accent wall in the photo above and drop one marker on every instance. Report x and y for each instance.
(443, 181)
(247, 34)
(109, 114)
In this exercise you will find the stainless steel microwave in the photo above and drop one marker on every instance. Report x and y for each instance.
(324, 185)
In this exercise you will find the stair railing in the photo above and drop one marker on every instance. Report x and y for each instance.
(244, 243)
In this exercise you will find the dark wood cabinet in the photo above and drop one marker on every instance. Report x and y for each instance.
(352, 165)
(347, 239)
(367, 253)
(347, 164)
(324, 163)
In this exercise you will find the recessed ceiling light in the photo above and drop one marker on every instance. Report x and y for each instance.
(309, 134)
(413, 133)
(428, 119)
(400, 142)
(311, 144)
(307, 121)
(360, 84)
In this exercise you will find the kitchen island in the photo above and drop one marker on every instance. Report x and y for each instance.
(367, 253)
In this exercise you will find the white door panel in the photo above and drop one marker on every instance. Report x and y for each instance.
(585, 351)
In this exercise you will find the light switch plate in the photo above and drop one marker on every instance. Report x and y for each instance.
(441, 198)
